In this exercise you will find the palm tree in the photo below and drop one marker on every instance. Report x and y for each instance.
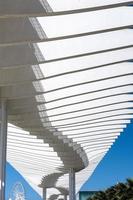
(121, 191)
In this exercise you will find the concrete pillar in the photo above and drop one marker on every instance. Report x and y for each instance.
(3, 144)
(65, 197)
(72, 195)
(44, 193)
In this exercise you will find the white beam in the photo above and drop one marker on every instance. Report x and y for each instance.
(3, 143)
(72, 185)
(44, 193)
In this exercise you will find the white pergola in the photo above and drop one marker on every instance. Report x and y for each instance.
(66, 88)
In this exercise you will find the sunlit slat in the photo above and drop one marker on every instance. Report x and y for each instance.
(59, 26)
(77, 46)
(85, 62)
(89, 87)
(63, 5)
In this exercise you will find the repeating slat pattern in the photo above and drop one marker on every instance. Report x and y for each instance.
(66, 69)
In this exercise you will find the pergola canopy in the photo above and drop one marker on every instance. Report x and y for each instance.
(66, 72)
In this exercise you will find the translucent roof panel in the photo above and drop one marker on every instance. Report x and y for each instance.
(59, 26)
(63, 5)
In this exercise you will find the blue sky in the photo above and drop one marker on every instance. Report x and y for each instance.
(116, 166)
(13, 177)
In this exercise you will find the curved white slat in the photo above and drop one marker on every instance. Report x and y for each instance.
(86, 62)
(72, 5)
(76, 46)
(90, 96)
(91, 75)
(60, 26)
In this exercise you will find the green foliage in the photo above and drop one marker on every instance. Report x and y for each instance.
(121, 191)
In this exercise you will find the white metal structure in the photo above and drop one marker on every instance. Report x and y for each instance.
(66, 75)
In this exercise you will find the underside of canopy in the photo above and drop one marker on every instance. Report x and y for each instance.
(66, 72)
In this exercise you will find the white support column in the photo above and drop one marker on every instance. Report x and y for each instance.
(44, 193)
(3, 144)
(72, 195)
(65, 197)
